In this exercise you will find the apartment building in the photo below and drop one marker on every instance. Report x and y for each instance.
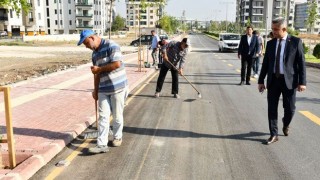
(149, 16)
(257, 11)
(10, 22)
(301, 15)
(58, 17)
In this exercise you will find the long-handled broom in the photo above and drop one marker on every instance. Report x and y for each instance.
(199, 94)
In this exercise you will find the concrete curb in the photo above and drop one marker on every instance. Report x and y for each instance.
(30, 166)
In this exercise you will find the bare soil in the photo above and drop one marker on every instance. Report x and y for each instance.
(29, 60)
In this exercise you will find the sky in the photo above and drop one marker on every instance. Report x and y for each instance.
(217, 10)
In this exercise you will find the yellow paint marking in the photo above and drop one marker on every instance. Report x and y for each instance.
(311, 116)
(230, 65)
(238, 70)
(57, 171)
(224, 60)
(29, 97)
(75, 153)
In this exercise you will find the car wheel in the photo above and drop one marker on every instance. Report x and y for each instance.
(135, 44)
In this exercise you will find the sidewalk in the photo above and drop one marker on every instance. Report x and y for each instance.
(49, 112)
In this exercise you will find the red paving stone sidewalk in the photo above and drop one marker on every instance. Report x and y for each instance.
(49, 112)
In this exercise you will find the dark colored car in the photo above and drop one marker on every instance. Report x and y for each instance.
(145, 40)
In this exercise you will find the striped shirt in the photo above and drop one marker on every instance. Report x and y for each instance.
(116, 80)
(175, 54)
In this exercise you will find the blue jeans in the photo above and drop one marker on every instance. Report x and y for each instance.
(255, 65)
(112, 103)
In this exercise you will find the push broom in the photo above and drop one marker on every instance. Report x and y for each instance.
(199, 94)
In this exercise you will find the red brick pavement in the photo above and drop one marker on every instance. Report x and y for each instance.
(49, 112)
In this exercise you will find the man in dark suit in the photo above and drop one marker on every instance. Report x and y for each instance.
(284, 63)
(248, 48)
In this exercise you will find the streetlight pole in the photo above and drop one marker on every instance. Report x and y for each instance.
(227, 3)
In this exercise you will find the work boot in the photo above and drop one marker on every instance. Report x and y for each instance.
(157, 94)
(98, 149)
(116, 142)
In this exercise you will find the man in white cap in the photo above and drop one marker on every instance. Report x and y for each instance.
(176, 53)
(110, 87)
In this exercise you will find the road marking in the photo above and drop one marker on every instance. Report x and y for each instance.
(311, 116)
(230, 65)
(238, 70)
(57, 170)
(224, 61)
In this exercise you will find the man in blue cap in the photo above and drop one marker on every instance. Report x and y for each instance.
(110, 87)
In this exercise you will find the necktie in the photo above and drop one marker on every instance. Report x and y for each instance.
(278, 59)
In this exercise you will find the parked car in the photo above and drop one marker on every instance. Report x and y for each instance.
(3, 33)
(229, 41)
(145, 40)
(163, 36)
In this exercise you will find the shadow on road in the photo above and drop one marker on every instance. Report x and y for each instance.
(251, 136)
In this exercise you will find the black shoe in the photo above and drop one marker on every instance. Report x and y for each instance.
(241, 83)
(248, 83)
(285, 130)
(272, 139)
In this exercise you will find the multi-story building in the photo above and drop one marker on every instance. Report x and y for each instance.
(58, 17)
(301, 15)
(149, 16)
(10, 21)
(94, 14)
(257, 11)
(34, 21)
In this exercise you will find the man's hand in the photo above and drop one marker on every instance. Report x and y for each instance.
(301, 88)
(95, 69)
(180, 71)
(239, 56)
(261, 88)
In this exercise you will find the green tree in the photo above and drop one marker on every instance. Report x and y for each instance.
(16, 5)
(118, 23)
(312, 15)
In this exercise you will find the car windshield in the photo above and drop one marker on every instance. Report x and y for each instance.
(231, 37)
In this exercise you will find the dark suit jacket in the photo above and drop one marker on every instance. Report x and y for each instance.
(294, 68)
(244, 47)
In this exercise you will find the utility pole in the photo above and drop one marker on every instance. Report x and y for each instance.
(226, 3)
(110, 16)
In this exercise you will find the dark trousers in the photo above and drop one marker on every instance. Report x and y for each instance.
(278, 87)
(175, 79)
(246, 65)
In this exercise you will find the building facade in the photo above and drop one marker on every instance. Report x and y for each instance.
(149, 16)
(259, 13)
(58, 17)
(301, 15)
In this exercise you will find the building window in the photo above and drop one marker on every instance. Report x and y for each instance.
(70, 22)
(69, 1)
(39, 16)
(60, 11)
(69, 11)
(55, 1)
(11, 15)
(38, 2)
(55, 11)
(61, 22)
(56, 22)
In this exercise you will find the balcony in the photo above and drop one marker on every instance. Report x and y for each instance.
(88, 15)
(3, 18)
(30, 19)
(81, 25)
(83, 4)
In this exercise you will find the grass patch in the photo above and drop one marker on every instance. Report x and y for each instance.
(310, 58)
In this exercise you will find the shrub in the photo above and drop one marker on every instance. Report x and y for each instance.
(305, 48)
(316, 51)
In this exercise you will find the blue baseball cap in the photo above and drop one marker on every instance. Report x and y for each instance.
(84, 34)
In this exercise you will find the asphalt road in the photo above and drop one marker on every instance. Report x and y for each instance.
(219, 136)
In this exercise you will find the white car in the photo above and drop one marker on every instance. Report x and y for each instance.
(3, 33)
(229, 41)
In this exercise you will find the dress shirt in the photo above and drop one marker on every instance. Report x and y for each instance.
(283, 47)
